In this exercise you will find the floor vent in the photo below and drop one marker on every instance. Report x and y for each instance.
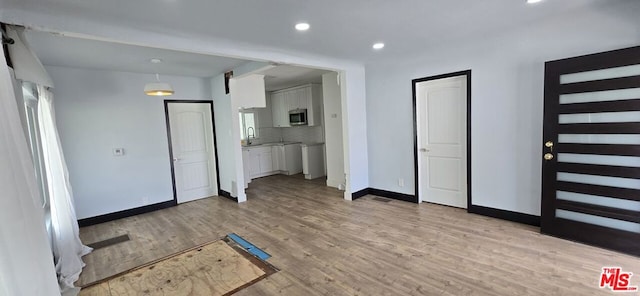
(109, 242)
(381, 199)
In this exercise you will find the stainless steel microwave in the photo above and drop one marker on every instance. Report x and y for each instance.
(298, 117)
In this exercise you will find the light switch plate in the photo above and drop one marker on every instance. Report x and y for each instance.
(118, 151)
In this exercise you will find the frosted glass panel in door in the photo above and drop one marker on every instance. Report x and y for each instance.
(629, 116)
(599, 200)
(598, 96)
(608, 73)
(600, 180)
(599, 139)
(597, 220)
(614, 160)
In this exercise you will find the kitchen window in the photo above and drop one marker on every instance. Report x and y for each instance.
(248, 127)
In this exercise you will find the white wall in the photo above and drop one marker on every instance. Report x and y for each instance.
(228, 132)
(507, 102)
(333, 129)
(352, 73)
(354, 130)
(97, 111)
(222, 110)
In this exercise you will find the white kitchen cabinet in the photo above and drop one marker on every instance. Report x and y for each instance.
(292, 157)
(248, 91)
(312, 97)
(259, 161)
(277, 152)
(280, 110)
(246, 161)
(266, 161)
(313, 161)
(301, 97)
(254, 163)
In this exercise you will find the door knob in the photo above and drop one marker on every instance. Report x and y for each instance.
(548, 144)
(548, 156)
(176, 159)
(424, 150)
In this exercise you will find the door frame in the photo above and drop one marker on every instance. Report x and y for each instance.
(215, 142)
(416, 157)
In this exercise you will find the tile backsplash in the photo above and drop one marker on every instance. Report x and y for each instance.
(268, 135)
(304, 134)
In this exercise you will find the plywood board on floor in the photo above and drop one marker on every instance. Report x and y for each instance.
(213, 269)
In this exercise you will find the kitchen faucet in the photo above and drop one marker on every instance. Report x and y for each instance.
(250, 135)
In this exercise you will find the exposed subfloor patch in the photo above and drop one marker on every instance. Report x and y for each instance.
(216, 268)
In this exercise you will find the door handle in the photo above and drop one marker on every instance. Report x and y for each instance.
(548, 156)
(549, 144)
(176, 159)
(424, 150)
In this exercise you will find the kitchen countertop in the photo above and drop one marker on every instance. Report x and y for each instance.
(270, 144)
(313, 144)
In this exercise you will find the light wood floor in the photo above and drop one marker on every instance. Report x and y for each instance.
(324, 245)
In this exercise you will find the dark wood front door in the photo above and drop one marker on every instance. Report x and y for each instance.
(591, 150)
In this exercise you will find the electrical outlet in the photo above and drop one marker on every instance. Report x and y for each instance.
(401, 182)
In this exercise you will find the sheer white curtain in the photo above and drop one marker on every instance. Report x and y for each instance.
(26, 264)
(67, 247)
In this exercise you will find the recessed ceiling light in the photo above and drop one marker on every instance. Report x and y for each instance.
(302, 26)
(155, 61)
(533, 1)
(378, 45)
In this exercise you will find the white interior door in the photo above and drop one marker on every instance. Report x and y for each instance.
(193, 150)
(442, 163)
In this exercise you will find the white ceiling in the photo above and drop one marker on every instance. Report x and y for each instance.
(285, 76)
(56, 50)
(339, 29)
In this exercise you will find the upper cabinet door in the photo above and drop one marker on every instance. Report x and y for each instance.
(248, 91)
(279, 109)
(302, 97)
(291, 97)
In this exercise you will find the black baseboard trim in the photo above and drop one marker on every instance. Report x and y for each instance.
(360, 193)
(384, 193)
(125, 213)
(393, 195)
(505, 215)
(227, 195)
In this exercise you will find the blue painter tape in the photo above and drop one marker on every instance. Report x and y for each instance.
(253, 250)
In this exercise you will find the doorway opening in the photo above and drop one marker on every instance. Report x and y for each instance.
(442, 138)
(299, 131)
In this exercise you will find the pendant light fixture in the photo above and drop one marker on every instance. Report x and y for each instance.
(158, 88)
